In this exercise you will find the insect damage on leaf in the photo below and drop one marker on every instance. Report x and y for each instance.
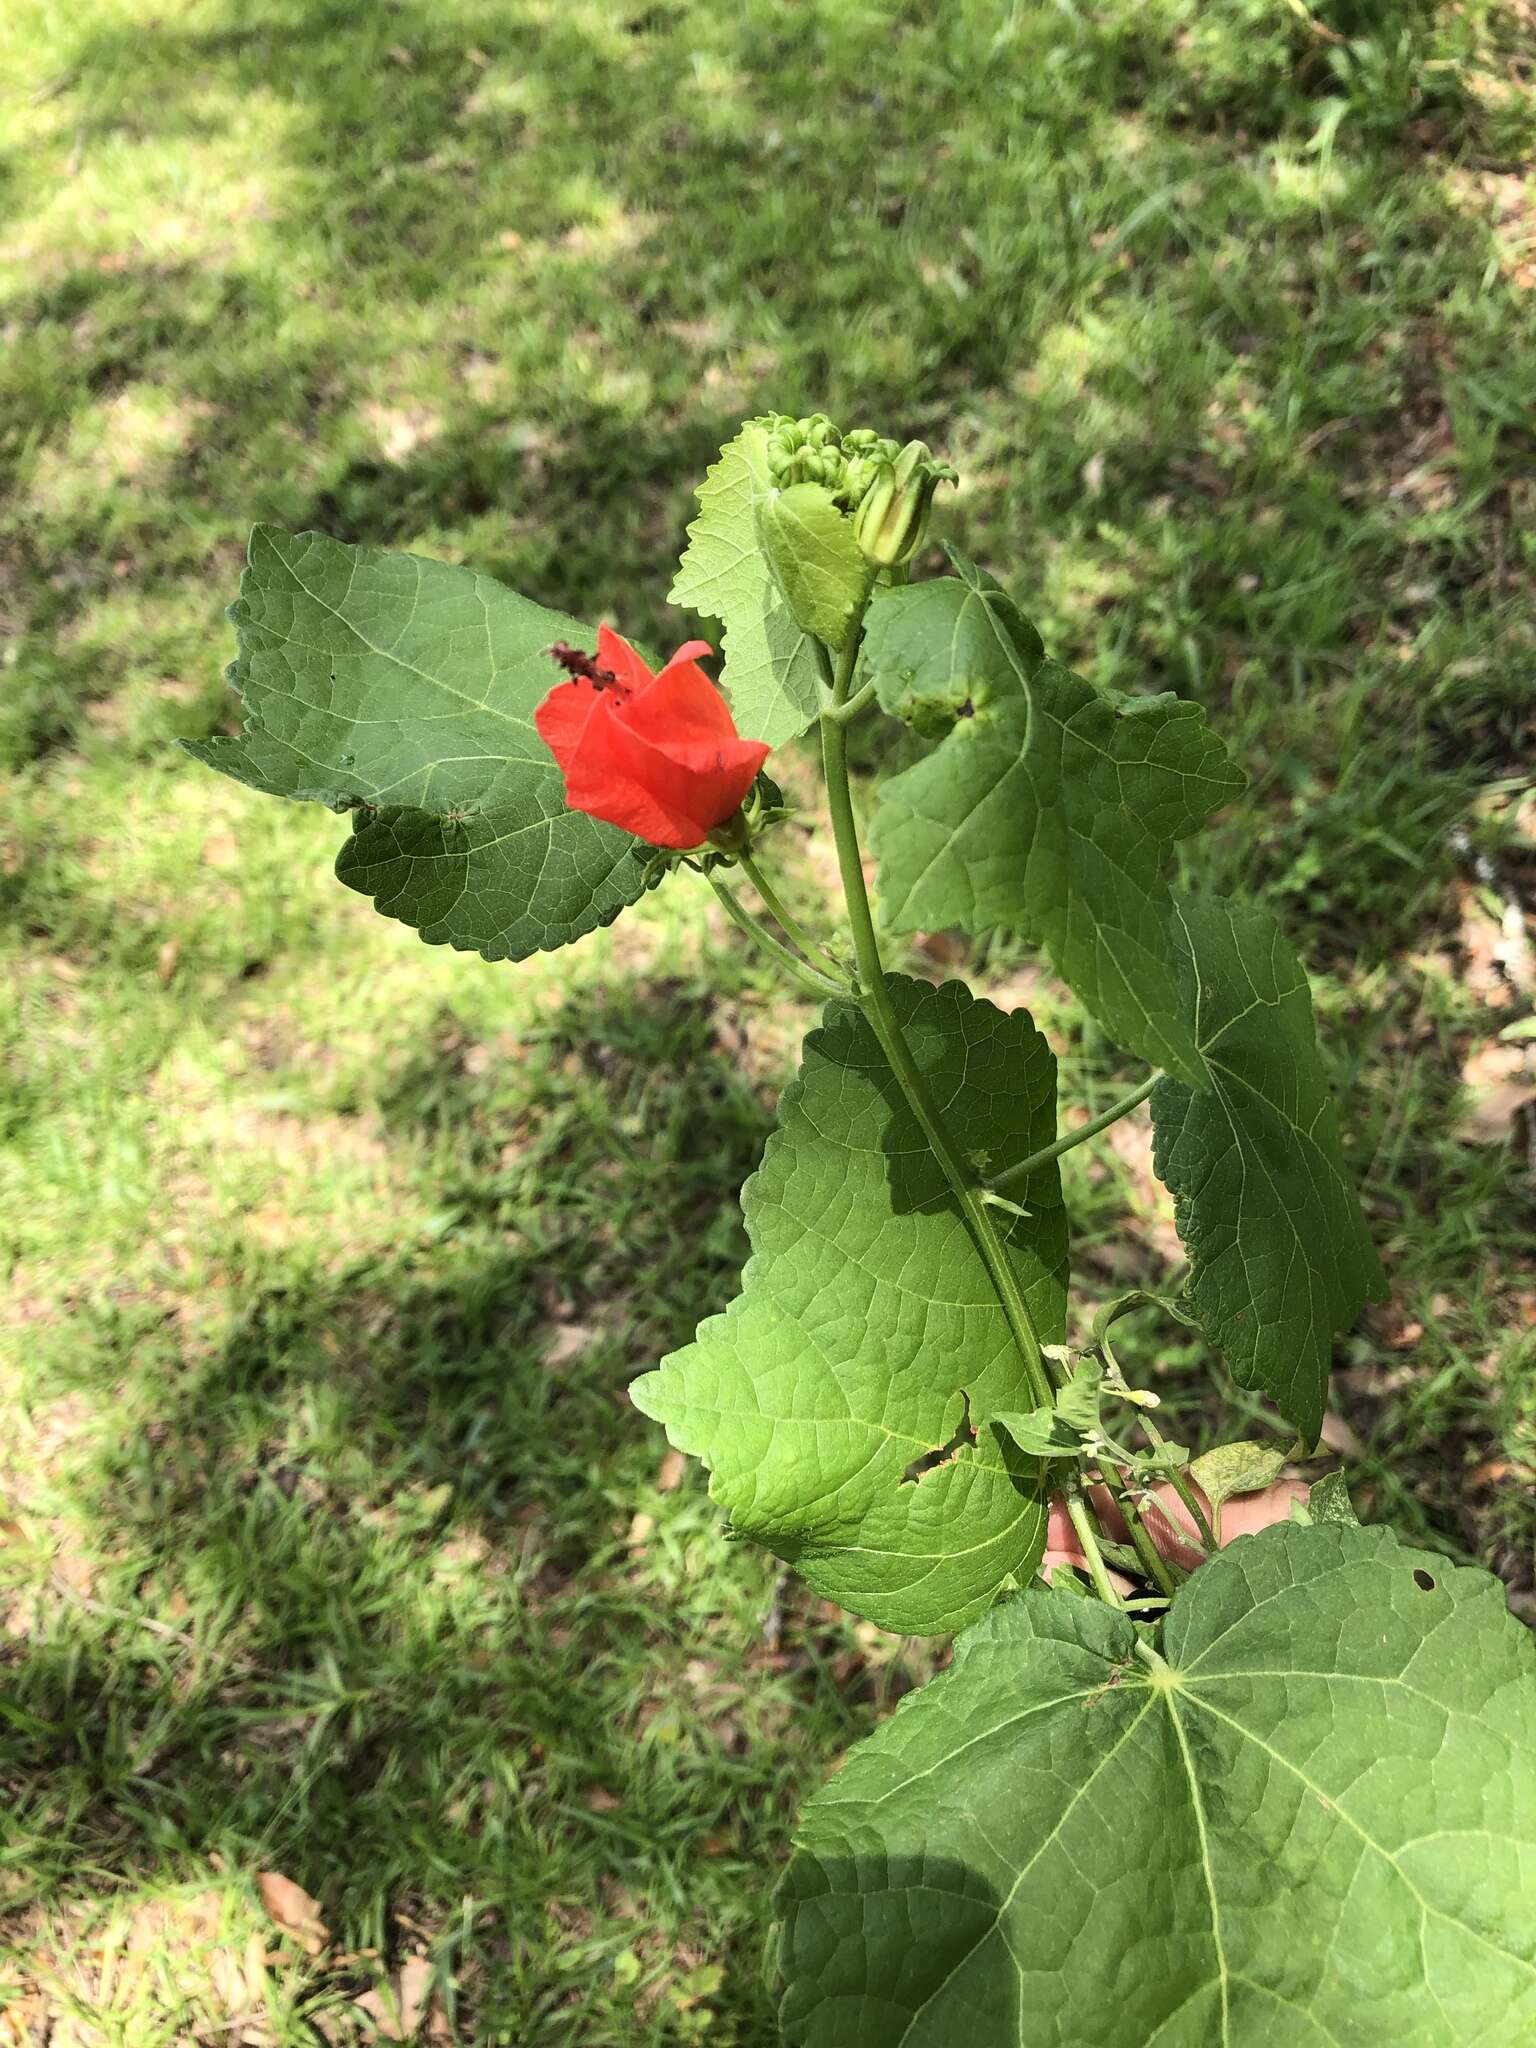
(964, 1439)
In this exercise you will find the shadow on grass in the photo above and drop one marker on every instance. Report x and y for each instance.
(637, 250)
(375, 1608)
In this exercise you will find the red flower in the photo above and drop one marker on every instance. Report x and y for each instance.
(657, 755)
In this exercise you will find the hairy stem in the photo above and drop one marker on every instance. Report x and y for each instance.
(874, 999)
(810, 978)
(1088, 1542)
(1080, 1136)
(846, 712)
(787, 923)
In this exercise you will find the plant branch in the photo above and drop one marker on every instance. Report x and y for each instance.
(1180, 1484)
(810, 978)
(845, 713)
(1080, 1136)
(1151, 1560)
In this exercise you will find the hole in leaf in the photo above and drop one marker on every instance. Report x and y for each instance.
(1423, 1581)
(963, 1437)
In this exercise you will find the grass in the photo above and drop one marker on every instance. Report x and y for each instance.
(331, 1546)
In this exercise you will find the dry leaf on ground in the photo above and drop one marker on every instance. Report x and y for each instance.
(397, 2012)
(292, 1909)
(1499, 1083)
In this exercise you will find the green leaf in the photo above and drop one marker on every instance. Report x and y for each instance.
(1278, 1249)
(837, 1399)
(810, 547)
(1312, 1822)
(1077, 1403)
(1040, 1433)
(404, 690)
(771, 674)
(1049, 808)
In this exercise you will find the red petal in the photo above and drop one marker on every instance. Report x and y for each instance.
(692, 775)
(615, 654)
(576, 722)
(563, 718)
(682, 702)
(663, 761)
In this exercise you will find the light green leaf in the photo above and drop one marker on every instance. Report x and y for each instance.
(404, 690)
(1328, 1501)
(1312, 1822)
(771, 672)
(1049, 808)
(811, 550)
(1229, 1469)
(1040, 1432)
(1278, 1249)
(1059, 1431)
(867, 1341)
(1077, 1403)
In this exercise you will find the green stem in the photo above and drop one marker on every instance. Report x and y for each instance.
(1152, 1562)
(845, 713)
(1180, 1484)
(875, 1001)
(810, 978)
(1081, 1135)
(817, 954)
(1082, 1526)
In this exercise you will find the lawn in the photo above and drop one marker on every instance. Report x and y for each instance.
(330, 1546)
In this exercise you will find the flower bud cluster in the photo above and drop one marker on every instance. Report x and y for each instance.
(814, 451)
(883, 488)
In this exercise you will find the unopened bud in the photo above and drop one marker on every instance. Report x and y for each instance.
(893, 513)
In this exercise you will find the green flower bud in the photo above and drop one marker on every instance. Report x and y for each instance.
(893, 513)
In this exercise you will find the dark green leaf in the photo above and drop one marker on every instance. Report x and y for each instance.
(404, 690)
(1279, 1253)
(845, 1401)
(1311, 1820)
(1049, 808)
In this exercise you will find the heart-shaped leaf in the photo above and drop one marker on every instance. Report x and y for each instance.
(404, 690)
(845, 1401)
